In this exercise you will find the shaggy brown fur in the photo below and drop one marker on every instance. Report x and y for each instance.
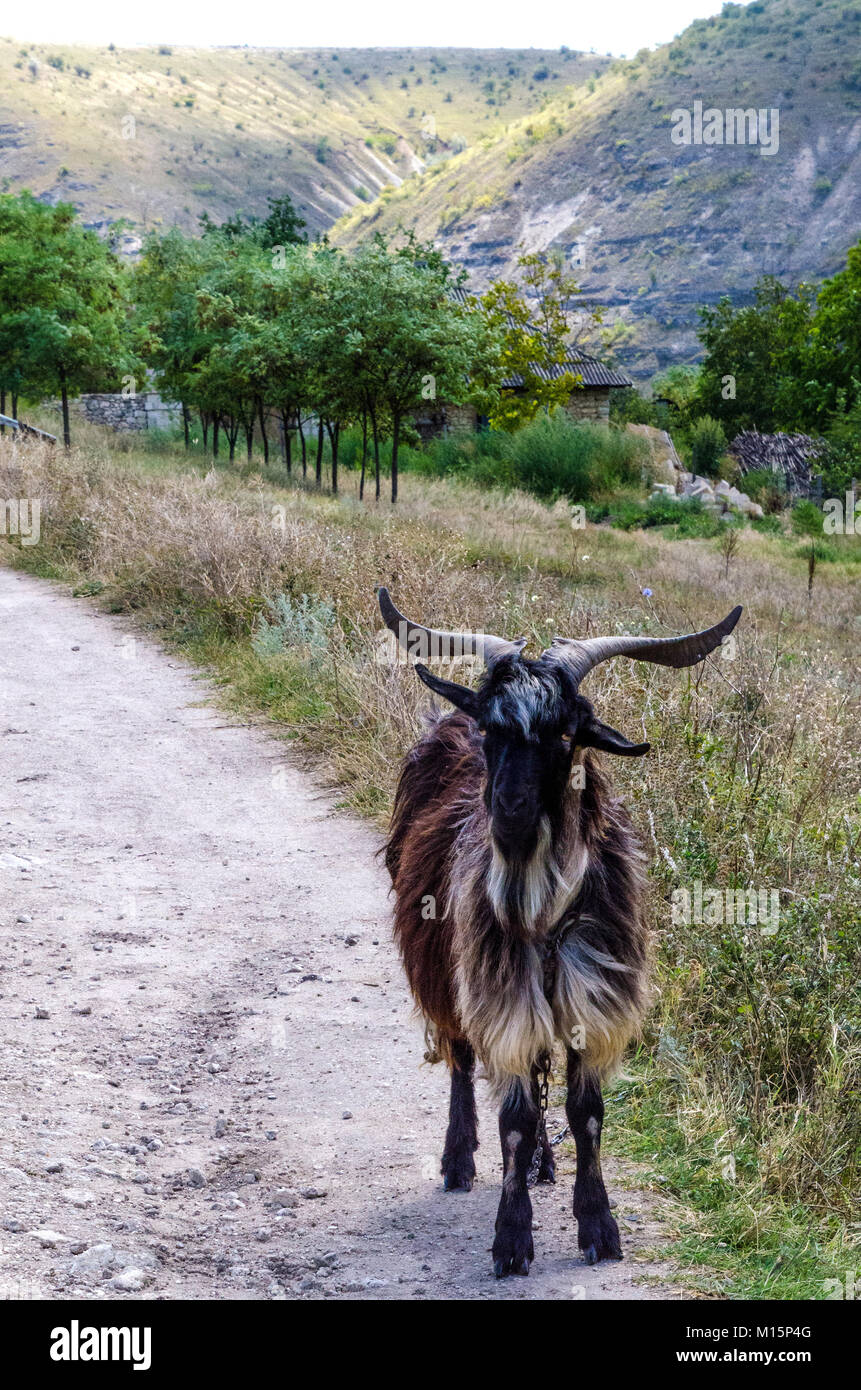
(477, 980)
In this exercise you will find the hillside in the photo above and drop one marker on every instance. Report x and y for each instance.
(160, 134)
(657, 227)
(483, 150)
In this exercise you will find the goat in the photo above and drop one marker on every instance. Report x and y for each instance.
(519, 885)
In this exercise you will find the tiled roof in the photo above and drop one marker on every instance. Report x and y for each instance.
(589, 369)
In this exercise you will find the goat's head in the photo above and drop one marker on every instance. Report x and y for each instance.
(531, 715)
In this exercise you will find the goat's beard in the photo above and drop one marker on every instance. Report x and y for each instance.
(528, 895)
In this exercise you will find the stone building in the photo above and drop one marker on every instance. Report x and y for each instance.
(588, 401)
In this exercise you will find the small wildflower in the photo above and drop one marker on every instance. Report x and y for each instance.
(647, 593)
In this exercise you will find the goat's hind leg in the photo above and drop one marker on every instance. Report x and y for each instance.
(597, 1232)
(461, 1140)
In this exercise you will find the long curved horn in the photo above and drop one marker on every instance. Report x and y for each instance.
(428, 644)
(582, 656)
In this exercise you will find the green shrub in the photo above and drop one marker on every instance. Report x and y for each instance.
(550, 457)
(629, 406)
(289, 623)
(767, 525)
(688, 517)
(707, 444)
(766, 487)
(553, 457)
(806, 518)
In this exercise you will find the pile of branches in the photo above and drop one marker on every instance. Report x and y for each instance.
(791, 455)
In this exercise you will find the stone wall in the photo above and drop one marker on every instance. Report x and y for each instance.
(589, 403)
(144, 411)
(586, 403)
(461, 419)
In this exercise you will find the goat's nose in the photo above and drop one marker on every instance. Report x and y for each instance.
(512, 804)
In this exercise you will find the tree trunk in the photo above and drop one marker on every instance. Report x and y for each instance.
(215, 424)
(286, 442)
(376, 454)
(302, 442)
(3, 407)
(231, 425)
(263, 434)
(204, 427)
(364, 454)
(185, 424)
(396, 430)
(64, 393)
(233, 435)
(321, 430)
(249, 440)
(334, 433)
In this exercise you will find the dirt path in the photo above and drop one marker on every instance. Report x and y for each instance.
(209, 1075)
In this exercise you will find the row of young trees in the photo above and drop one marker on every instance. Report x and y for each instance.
(244, 332)
(248, 324)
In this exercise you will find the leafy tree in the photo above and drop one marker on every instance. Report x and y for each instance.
(407, 339)
(63, 303)
(538, 324)
(754, 371)
(166, 325)
(834, 355)
(281, 227)
(678, 385)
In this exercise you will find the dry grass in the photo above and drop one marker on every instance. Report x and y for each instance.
(754, 779)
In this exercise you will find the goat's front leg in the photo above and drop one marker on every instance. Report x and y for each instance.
(461, 1140)
(597, 1232)
(512, 1249)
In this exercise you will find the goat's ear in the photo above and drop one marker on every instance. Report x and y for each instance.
(594, 734)
(459, 695)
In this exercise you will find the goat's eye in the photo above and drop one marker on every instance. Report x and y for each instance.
(566, 739)
(483, 732)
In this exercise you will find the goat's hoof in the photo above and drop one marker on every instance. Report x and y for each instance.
(458, 1175)
(513, 1252)
(453, 1183)
(598, 1238)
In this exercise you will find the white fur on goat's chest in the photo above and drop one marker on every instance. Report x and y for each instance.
(500, 972)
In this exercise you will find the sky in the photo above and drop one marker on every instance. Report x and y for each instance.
(610, 26)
